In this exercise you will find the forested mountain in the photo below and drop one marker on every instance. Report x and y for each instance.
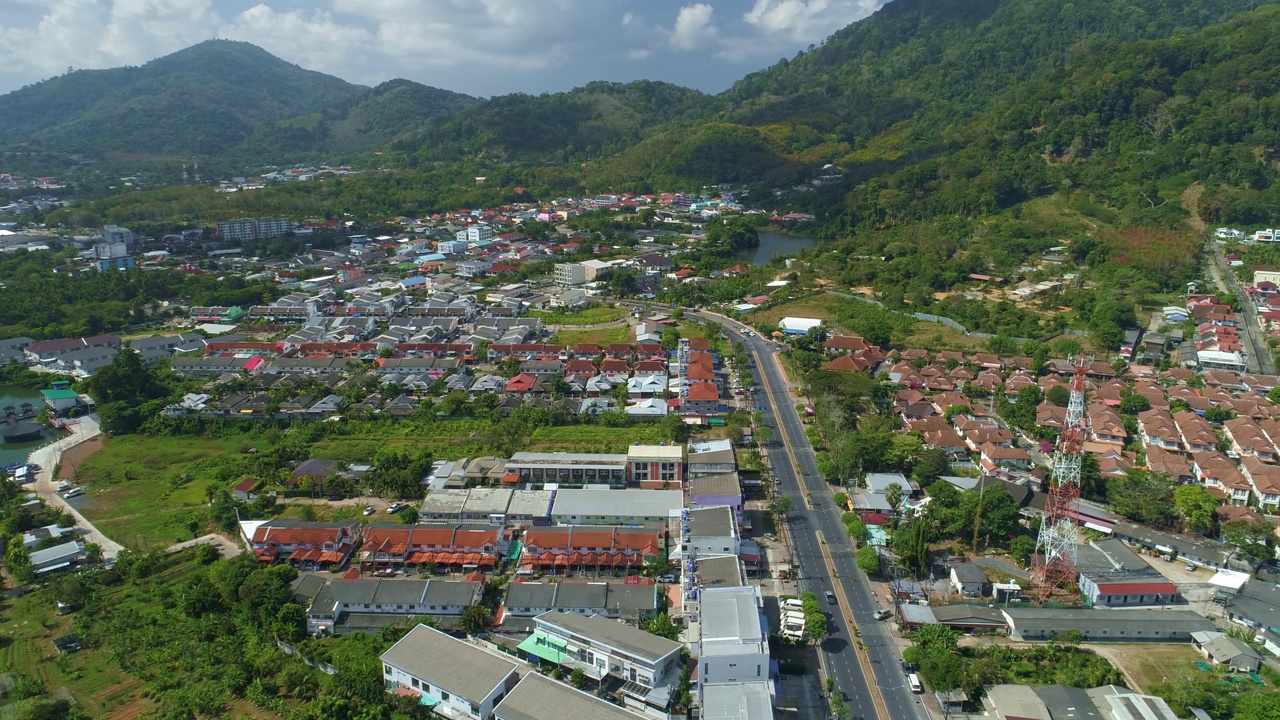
(598, 119)
(217, 99)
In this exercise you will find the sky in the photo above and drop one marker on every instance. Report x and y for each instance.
(479, 47)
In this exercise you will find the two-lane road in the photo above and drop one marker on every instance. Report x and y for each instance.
(796, 475)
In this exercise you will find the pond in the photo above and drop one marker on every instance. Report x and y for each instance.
(16, 396)
(772, 243)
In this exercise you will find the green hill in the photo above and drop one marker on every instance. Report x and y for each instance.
(218, 99)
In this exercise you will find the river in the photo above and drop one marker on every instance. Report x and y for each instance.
(772, 243)
(15, 396)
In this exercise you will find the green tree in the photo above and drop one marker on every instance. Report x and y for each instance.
(1251, 537)
(1132, 404)
(1059, 395)
(1197, 508)
(815, 626)
(476, 619)
(867, 559)
(578, 678)
(1218, 414)
(894, 495)
(18, 560)
(1142, 495)
(933, 464)
(662, 626)
(291, 622)
(1021, 548)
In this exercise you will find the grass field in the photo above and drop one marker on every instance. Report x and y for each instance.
(590, 316)
(591, 438)
(936, 336)
(136, 492)
(604, 336)
(819, 306)
(1148, 665)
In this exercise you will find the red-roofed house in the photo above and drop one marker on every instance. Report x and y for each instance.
(306, 545)
(391, 545)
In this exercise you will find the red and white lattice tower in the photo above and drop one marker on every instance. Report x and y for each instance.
(1054, 565)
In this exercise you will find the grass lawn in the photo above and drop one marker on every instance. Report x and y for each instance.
(1149, 665)
(936, 336)
(136, 494)
(590, 316)
(605, 336)
(819, 306)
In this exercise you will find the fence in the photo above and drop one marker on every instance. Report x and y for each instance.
(323, 667)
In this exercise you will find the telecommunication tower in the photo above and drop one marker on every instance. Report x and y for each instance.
(1054, 565)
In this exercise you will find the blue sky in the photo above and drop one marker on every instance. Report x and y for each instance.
(480, 47)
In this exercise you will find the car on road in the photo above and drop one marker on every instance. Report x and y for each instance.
(906, 668)
(831, 598)
(335, 498)
(368, 510)
(73, 492)
(883, 614)
(65, 486)
(764, 407)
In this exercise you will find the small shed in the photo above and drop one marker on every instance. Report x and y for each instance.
(1223, 649)
(66, 644)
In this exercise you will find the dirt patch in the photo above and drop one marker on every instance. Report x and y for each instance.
(1191, 203)
(73, 458)
(132, 710)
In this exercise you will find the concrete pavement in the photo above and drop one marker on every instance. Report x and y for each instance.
(47, 458)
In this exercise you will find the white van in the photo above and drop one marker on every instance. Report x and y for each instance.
(793, 617)
(914, 681)
(792, 604)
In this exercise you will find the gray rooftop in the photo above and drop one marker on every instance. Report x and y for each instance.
(618, 503)
(1068, 703)
(1077, 618)
(395, 592)
(1125, 704)
(444, 502)
(712, 522)
(470, 672)
(737, 701)
(610, 632)
(535, 503)
(1017, 701)
(539, 458)
(730, 619)
(541, 698)
(1122, 557)
(1258, 602)
(724, 571)
(719, 485)
(488, 500)
(967, 572)
(879, 482)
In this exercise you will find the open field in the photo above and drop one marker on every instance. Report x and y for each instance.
(1146, 665)
(819, 306)
(591, 316)
(137, 493)
(593, 438)
(936, 336)
(604, 336)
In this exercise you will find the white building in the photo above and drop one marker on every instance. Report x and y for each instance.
(117, 234)
(570, 274)
(475, 234)
(735, 638)
(648, 665)
(469, 685)
(709, 532)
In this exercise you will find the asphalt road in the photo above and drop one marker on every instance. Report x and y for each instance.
(805, 523)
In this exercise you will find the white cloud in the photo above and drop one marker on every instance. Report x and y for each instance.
(475, 46)
(693, 27)
(807, 20)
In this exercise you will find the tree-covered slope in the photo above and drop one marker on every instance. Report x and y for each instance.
(395, 111)
(595, 120)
